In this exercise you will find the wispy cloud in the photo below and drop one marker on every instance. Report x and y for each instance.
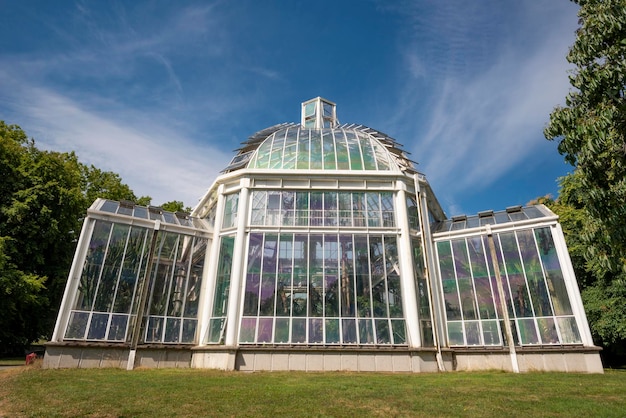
(152, 157)
(485, 113)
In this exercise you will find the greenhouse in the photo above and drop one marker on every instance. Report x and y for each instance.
(320, 247)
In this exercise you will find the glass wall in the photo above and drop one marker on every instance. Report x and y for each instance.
(217, 322)
(322, 289)
(116, 262)
(304, 208)
(536, 296)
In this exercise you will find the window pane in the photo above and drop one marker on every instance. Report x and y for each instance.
(77, 325)
(552, 267)
(569, 330)
(534, 273)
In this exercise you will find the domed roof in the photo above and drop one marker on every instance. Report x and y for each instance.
(320, 143)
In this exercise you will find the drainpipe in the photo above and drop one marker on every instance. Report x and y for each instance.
(505, 312)
(422, 212)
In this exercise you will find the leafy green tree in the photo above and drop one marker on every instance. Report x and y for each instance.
(591, 130)
(175, 206)
(44, 196)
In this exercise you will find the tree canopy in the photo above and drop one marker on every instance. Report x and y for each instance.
(591, 130)
(44, 196)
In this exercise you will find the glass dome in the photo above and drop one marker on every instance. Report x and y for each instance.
(345, 147)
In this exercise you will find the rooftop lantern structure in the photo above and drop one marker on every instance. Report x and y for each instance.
(319, 113)
(321, 247)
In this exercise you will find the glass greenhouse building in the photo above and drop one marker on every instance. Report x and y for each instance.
(321, 247)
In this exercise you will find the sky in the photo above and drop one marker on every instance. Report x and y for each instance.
(163, 92)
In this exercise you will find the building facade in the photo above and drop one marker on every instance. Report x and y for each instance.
(321, 247)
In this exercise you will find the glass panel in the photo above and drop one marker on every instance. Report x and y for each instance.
(534, 273)
(392, 269)
(412, 212)
(343, 161)
(247, 331)
(172, 330)
(348, 331)
(358, 209)
(345, 208)
(491, 332)
(328, 253)
(366, 331)
(316, 274)
(472, 333)
(569, 330)
(316, 331)
(527, 331)
(373, 210)
(298, 330)
(382, 158)
(111, 268)
(222, 282)
(547, 330)
(450, 292)
(455, 333)
(387, 208)
(348, 280)
(363, 284)
(276, 159)
(330, 208)
(482, 284)
(302, 208)
(76, 325)
(253, 277)
(303, 150)
(552, 267)
(273, 213)
(399, 331)
(288, 208)
(154, 331)
(117, 330)
(163, 272)
(259, 203)
(330, 162)
(133, 267)
(369, 160)
(189, 330)
(382, 332)
(317, 209)
(332, 331)
(356, 163)
(93, 265)
(265, 330)
(282, 330)
(98, 326)
(192, 297)
(380, 295)
(216, 327)
(231, 203)
(316, 150)
(515, 273)
(299, 289)
(291, 147)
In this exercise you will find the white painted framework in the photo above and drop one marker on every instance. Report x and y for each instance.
(327, 294)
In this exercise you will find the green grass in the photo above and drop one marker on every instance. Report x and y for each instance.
(34, 392)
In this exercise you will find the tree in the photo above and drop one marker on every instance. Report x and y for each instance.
(591, 130)
(44, 196)
(175, 206)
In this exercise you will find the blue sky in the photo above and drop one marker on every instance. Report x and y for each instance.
(162, 92)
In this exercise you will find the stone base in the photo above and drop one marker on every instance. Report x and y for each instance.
(103, 355)
(318, 359)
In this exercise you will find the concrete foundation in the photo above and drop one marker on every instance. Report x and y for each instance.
(317, 359)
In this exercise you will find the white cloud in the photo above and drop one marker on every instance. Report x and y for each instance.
(481, 116)
(152, 158)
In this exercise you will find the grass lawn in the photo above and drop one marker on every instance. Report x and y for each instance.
(34, 392)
